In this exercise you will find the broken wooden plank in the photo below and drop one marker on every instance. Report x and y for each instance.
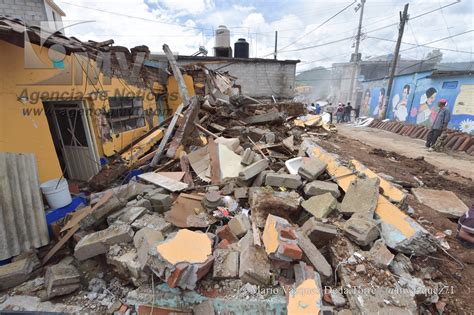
(207, 132)
(186, 127)
(185, 167)
(163, 181)
(183, 90)
(214, 162)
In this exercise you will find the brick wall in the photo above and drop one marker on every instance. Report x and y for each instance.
(260, 79)
(31, 12)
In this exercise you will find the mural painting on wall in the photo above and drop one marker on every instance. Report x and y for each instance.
(426, 112)
(400, 104)
(464, 108)
(365, 107)
(379, 107)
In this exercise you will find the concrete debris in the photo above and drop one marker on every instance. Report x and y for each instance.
(265, 201)
(154, 222)
(320, 206)
(126, 216)
(264, 118)
(312, 168)
(212, 200)
(319, 233)
(61, 279)
(444, 201)
(314, 256)
(254, 266)
(253, 169)
(240, 225)
(380, 255)
(124, 260)
(361, 197)
(225, 233)
(305, 298)
(18, 271)
(99, 242)
(318, 187)
(187, 211)
(289, 143)
(248, 157)
(145, 241)
(160, 202)
(361, 229)
(283, 180)
(204, 308)
(226, 264)
(279, 239)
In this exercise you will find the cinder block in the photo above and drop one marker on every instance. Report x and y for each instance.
(283, 180)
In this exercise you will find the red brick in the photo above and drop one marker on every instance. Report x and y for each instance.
(224, 244)
(204, 268)
(173, 279)
(225, 233)
(292, 250)
(288, 233)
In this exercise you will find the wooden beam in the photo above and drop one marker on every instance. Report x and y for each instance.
(183, 90)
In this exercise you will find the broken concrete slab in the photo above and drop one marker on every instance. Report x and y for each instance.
(399, 231)
(61, 279)
(248, 157)
(253, 169)
(443, 201)
(264, 118)
(99, 242)
(314, 256)
(264, 201)
(279, 239)
(361, 229)
(260, 178)
(380, 255)
(124, 260)
(320, 206)
(145, 241)
(187, 211)
(289, 143)
(319, 233)
(254, 266)
(226, 264)
(126, 216)
(319, 187)
(163, 181)
(305, 298)
(312, 168)
(283, 180)
(153, 221)
(240, 225)
(225, 233)
(361, 197)
(18, 271)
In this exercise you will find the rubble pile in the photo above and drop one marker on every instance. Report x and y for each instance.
(451, 139)
(243, 211)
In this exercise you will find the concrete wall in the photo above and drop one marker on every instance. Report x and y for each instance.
(32, 12)
(259, 79)
(409, 101)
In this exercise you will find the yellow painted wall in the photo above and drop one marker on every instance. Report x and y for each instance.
(174, 98)
(30, 133)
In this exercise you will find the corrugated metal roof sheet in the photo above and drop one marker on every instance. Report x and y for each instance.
(22, 217)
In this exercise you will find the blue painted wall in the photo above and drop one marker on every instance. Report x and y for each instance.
(415, 97)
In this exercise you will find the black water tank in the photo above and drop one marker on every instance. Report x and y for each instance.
(241, 48)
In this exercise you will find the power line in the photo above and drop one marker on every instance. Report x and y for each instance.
(441, 39)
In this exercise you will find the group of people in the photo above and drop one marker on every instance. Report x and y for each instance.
(343, 112)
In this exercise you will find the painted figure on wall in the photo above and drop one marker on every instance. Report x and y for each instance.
(424, 114)
(365, 107)
(400, 111)
(378, 111)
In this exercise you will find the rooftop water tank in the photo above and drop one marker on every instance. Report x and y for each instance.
(241, 48)
(222, 37)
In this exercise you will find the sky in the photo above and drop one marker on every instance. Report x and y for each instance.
(315, 32)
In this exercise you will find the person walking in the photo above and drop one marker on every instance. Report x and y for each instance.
(340, 113)
(347, 112)
(439, 125)
(318, 109)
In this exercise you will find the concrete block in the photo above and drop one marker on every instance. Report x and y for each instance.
(443, 201)
(253, 170)
(239, 225)
(260, 178)
(145, 241)
(61, 279)
(283, 180)
(225, 233)
(320, 206)
(361, 229)
(319, 233)
(159, 202)
(99, 242)
(318, 187)
(226, 264)
(270, 138)
(248, 157)
(124, 261)
(254, 266)
(361, 197)
(126, 216)
(17, 272)
(314, 256)
(312, 169)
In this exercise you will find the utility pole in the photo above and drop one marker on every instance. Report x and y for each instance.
(355, 58)
(276, 45)
(401, 28)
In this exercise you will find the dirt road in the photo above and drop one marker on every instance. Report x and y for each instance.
(460, 163)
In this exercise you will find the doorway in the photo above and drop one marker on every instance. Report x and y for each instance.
(72, 139)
